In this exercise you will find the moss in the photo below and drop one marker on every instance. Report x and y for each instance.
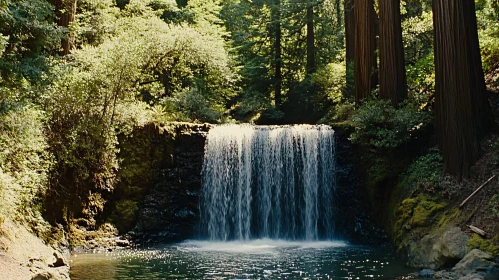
(488, 245)
(416, 212)
(448, 217)
(403, 214)
(424, 211)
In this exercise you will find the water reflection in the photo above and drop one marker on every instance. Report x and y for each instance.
(268, 259)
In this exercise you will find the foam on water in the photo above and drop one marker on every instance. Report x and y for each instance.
(257, 246)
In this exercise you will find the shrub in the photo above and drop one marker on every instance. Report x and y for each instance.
(24, 164)
(425, 171)
(380, 125)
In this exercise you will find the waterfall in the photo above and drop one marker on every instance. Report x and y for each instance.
(268, 182)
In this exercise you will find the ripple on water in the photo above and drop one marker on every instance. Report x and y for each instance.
(268, 259)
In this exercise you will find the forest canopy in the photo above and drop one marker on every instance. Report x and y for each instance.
(82, 73)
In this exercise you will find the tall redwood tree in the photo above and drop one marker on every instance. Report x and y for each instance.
(461, 109)
(364, 48)
(66, 13)
(277, 50)
(392, 81)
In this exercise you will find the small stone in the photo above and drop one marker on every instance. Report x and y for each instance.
(59, 260)
(427, 273)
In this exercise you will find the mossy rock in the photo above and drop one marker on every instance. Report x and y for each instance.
(416, 212)
(424, 211)
(488, 245)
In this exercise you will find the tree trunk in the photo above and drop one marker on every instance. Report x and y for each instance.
(311, 66)
(349, 29)
(364, 48)
(462, 112)
(349, 46)
(66, 12)
(276, 29)
(391, 53)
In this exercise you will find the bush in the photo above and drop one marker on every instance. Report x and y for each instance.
(24, 164)
(380, 125)
(425, 171)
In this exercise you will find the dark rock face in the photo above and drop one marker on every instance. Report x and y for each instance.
(170, 210)
(161, 177)
(353, 221)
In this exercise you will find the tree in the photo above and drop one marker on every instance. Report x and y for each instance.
(461, 109)
(391, 53)
(349, 29)
(311, 63)
(364, 48)
(349, 43)
(277, 51)
(66, 12)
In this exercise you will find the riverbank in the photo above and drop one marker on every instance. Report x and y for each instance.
(23, 255)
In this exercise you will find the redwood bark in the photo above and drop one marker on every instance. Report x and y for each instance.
(392, 78)
(349, 45)
(364, 49)
(462, 113)
(311, 64)
(349, 29)
(276, 30)
(66, 13)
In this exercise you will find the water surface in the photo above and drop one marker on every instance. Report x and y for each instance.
(259, 259)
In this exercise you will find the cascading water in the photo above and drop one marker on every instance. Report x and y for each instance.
(268, 182)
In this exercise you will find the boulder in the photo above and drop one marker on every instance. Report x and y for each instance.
(438, 250)
(451, 246)
(427, 273)
(476, 261)
(420, 254)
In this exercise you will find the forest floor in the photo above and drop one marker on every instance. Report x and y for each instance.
(482, 210)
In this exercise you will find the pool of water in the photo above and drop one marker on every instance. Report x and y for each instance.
(269, 259)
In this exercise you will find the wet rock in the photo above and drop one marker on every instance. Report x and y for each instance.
(451, 246)
(473, 277)
(170, 210)
(122, 243)
(427, 273)
(443, 274)
(438, 250)
(476, 261)
(421, 253)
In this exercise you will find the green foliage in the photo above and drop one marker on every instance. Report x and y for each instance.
(331, 81)
(24, 165)
(488, 32)
(425, 171)
(380, 125)
(94, 22)
(125, 214)
(3, 43)
(252, 28)
(421, 81)
(32, 36)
